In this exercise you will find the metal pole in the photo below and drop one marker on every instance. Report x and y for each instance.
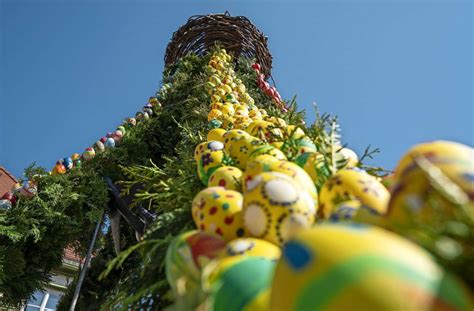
(85, 266)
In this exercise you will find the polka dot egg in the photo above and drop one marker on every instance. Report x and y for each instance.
(228, 177)
(218, 210)
(275, 207)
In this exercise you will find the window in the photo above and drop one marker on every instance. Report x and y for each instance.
(43, 301)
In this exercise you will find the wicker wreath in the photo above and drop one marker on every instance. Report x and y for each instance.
(235, 33)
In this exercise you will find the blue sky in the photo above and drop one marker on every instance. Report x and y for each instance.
(395, 72)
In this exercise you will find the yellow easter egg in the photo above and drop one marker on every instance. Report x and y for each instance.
(239, 146)
(214, 79)
(353, 184)
(219, 211)
(227, 109)
(294, 132)
(437, 152)
(313, 164)
(275, 207)
(357, 267)
(265, 130)
(253, 247)
(267, 149)
(255, 114)
(349, 156)
(440, 172)
(209, 162)
(228, 177)
(212, 145)
(214, 114)
(216, 134)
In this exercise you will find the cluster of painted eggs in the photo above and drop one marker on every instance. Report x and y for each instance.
(9, 199)
(111, 140)
(261, 210)
(265, 87)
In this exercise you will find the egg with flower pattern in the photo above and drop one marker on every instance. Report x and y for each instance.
(218, 210)
(275, 207)
(353, 184)
(239, 147)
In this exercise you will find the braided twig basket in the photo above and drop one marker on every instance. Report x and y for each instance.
(235, 33)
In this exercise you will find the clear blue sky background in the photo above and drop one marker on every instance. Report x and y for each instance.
(395, 72)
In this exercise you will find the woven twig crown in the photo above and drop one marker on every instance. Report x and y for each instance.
(235, 33)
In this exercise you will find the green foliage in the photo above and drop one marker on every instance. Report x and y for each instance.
(36, 231)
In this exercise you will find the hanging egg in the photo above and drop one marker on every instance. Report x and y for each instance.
(275, 207)
(122, 129)
(313, 163)
(228, 177)
(10, 196)
(216, 134)
(356, 267)
(89, 154)
(75, 156)
(240, 285)
(218, 210)
(68, 164)
(353, 184)
(58, 169)
(109, 143)
(131, 121)
(99, 145)
(185, 257)
(5, 204)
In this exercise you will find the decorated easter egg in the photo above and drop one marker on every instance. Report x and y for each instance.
(109, 143)
(228, 177)
(218, 210)
(209, 161)
(131, 121)
(258, 165)
(104, 139)
(440, 171)
(265, 130)
(214, 114)
(214, 123)
(350, 157)
(68, 164)
(239, 285)
(267, 149)
(186, 255)
(10, 196)
(239, 146)
(58, 169)
(89, 154)
(356, 267)
(216, 134)
(5, 204)
(16, 188)
(99, 145)
(243, 247)
(148, 111)
(353, 184)
(212, 145)
(275, 207)
(313, 164)
(305, 144)
(122, 129)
